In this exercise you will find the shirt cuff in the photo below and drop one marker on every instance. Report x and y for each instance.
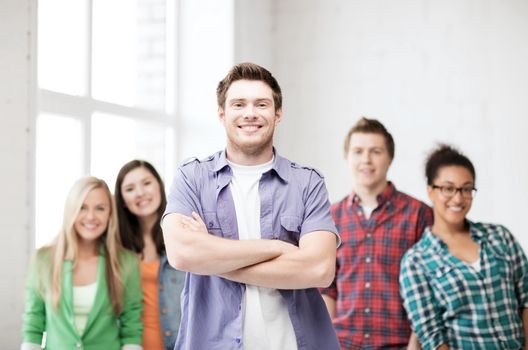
(131, 347)
(30, 346)
(432, 343)
(330, 292)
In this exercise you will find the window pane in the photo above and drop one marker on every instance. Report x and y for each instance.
(59, 165)
(62, 56)
(117, 140)
(129, 52)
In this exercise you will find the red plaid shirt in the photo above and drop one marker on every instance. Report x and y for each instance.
(369, 311)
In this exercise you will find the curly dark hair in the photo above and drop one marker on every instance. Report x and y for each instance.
(445, 155)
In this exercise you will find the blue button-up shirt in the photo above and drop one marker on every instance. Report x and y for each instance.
(294, 201)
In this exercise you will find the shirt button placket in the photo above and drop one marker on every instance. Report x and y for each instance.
(369, 273)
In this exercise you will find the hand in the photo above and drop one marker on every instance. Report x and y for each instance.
(194, 223)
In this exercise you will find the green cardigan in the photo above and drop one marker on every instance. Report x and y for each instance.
(103, 330)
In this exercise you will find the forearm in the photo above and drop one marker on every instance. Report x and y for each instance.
(330, 305)
(311, 266)
(525, 326)
(206, 254)
(414, 344)
(215, 256)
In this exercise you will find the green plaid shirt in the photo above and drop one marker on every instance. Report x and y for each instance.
(448, 301)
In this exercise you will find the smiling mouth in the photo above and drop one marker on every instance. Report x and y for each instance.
(456, 209)
(249, 128)
(143, 203)
(90, 227)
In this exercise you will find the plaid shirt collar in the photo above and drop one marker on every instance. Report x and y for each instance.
(384, 197)
(431, 240)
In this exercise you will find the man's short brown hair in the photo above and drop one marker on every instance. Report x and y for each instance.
(370, 126)
(248, 71)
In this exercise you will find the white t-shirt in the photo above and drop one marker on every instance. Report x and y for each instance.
(475, 264)
(367, 211)
(267, 324)
(83, 299)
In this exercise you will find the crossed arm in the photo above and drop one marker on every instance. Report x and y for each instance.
(265, 263)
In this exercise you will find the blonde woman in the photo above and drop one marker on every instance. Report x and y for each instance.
(83, 290)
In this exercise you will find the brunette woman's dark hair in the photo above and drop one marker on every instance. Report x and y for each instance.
(129, 228)
(445, 155)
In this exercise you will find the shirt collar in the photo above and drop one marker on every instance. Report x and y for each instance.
(281, 166)
(385, 196)
(220, 162)
(437, 245)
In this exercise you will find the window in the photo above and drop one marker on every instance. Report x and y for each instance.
(105, 95)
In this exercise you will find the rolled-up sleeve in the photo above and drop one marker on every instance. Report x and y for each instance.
(317, 215)
(183, 198)
(520, 268)
(418, 301)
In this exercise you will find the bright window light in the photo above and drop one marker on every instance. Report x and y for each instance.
(59, 165)
(118, 139)
(62, 55)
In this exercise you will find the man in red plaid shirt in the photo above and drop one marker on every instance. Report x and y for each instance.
(377, 224)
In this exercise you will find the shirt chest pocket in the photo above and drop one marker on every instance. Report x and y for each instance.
(500, 262)
(290, 229)
(451, 288)
(212, 224)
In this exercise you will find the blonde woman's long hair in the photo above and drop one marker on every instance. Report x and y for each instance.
(65, 245)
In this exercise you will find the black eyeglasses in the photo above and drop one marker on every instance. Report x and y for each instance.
(468, 192)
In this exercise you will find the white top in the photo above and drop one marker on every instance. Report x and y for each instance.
(267, 324)
(83, 299)
(367, 211)
(475, 265)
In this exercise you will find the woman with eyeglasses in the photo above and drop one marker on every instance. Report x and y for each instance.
(464, 284)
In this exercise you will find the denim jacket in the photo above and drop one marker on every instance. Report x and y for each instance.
(170, 285)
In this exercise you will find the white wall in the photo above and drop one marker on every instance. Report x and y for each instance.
(432, 71)
(16, 132)
(205, 35)
(253, 32)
